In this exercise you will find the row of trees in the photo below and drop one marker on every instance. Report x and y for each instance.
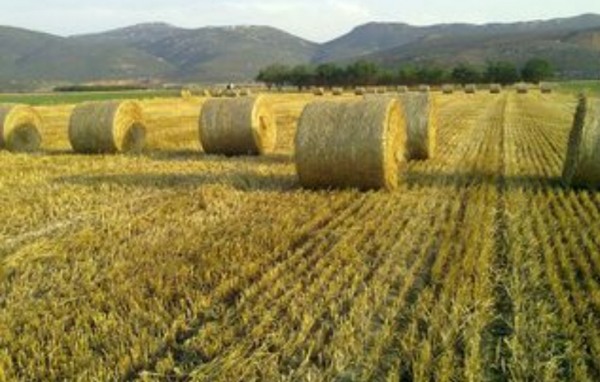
(365, 73)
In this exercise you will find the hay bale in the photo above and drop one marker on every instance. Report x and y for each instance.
(546, 88)
(186, 94)
(238, 126)
(19, 128)
(231, 93)
(421, 119)
(495, 88)
(582, 164)
(371, 90)
(360, 91)
(355, 144)
(319, 92)
(402, 89)
(424, 88)
(217, 93)
(107, 127)
(471, 89)
(381, 90)
(522, 88)
(337, 91)
(448, 89)
(245, 92)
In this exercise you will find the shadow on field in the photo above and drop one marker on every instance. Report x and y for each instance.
(438, 179)
(240, 180)
(194, 155)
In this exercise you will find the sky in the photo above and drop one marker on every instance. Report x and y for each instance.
(316, 20)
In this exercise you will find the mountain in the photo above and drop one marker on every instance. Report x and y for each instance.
(219, 54)
(568, 44)
(214, 53)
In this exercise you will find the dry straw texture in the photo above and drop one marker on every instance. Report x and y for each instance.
(360, 91)
(402, 89)
(424, 89)
(238, 126)
(448, 89)
(231, 93)
(107, 127)
(522, 88)
(19, 128)
(354, 144)
(471, 89)
(582, 165)
(337, 91)
(421, 117)
(495, 88)
(319, 92)
(245, 92)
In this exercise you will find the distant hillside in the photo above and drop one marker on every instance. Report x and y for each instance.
(218, 54)
(211, 54)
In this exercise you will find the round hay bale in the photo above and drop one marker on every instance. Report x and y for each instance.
(245, 92)
(522, 88)
(424, 88)
(238, 126)
(402, 89)
(337, 91)
(351, 145)
(381, 90)
(186, 94)
(20, 128)
(582, 164)
(448, 89)
(319, 92)
(471, 89)
(360, 91)
(495, 88)
(217, 93)
(231, 93)
(546, 88)
(107, 127)
(421, 118)
(371, 90)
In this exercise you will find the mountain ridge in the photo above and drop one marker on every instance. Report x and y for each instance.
(159, 50)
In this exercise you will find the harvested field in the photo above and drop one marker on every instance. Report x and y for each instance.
(174, 265)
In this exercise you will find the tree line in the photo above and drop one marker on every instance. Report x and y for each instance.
(365, 73)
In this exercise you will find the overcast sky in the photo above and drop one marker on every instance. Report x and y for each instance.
(317, 20)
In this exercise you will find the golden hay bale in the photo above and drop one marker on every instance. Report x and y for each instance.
(402, 89)
(107, 127)
(231, 93)
(424, 88)
(522, 88)
(238, 126)
(546, 88)
(421, 118)
(495, 88)
(471, 89)
(319, 92)
(19, 128)
(582, 164)
(371, 90)
(337, 91)
(448, 89)
(245, 92)
(356, 144)
(216, 93)
(381, 90)
(360, 91)
(186, 94)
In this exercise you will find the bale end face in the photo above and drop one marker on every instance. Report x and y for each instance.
(20, 128)
(351, 145)
(421, 116)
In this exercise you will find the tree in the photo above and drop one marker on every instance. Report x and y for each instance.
(328, 75)
(407, 76)
(431, 75)
(302, 76)
(275, 74)
(465, 74)
(502, 72)
(362, 73)
(536, 70)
